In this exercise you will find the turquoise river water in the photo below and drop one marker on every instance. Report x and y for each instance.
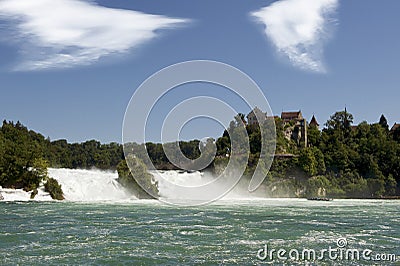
(231, 232)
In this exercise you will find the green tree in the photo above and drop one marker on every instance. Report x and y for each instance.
(313, 136)
(340, 122)
(21, 164)
(311, 161)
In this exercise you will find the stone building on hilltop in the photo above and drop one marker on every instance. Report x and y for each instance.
(295, 127)
(291, 116)
(394, 127)
(294, 124)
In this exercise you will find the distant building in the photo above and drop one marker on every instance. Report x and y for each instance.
(291, 116)
(295, 127)
(314, 122)
(252, 116)
(395, 127)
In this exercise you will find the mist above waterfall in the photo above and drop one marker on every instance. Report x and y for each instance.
(192, 179)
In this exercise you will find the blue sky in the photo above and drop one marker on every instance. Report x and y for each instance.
(85, 95)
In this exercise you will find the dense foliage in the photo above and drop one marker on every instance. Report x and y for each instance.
(88, 154)
(350, 161)
(22, 160)
(22, 163)
(363, 160)
(342, 160)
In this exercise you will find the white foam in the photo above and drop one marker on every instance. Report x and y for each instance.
(21, 195)
(194, 179)
(77, 185)
(99, 185)
(89, 185)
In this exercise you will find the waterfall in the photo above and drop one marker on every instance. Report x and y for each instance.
(197, 178)
(89, 185)
(100, 185)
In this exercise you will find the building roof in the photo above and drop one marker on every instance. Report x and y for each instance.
(291, 115)
(395, 127)
(314, 122)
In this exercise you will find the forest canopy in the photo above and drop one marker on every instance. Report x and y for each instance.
(345, 160)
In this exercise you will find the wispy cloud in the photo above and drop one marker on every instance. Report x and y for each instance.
(298, 29)
(66, 33)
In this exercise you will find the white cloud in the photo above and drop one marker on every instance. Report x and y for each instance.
(65, 33)
(298, 29)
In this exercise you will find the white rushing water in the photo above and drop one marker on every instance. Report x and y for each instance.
(89, 185)
(182, 178)
(77, 185)
(9, 194)
(98, 185)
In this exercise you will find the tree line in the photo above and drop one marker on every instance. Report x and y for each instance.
(342, 159)
(23, 160)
